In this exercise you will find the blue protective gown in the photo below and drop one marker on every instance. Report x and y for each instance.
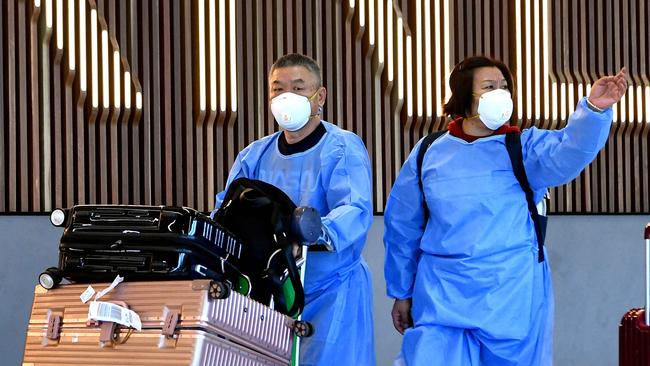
(334, 177)
(479, 295)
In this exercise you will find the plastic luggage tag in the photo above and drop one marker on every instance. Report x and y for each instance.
(109, 312)
(103, 292)
(86, 295)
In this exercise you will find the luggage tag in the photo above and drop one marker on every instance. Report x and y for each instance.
(86, 295)
(108, 289)
(90, 291)
(109, 312)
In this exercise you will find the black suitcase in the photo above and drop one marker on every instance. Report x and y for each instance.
(143, 243)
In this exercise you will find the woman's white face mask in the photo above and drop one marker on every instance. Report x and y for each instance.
(495, 108)
(292, 111)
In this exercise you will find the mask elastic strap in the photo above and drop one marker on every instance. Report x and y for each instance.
(313, 95)
(319, 107)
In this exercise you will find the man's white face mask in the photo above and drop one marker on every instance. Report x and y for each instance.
(292, 111)
(495, 108)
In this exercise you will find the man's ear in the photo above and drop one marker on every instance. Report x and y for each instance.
(322, 95)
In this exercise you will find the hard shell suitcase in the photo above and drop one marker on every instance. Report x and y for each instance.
(634, 330)
(191, 347)
(168, 310)
(144, 243)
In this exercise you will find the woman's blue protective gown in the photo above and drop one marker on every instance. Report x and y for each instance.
(479, 295)
(334, 177)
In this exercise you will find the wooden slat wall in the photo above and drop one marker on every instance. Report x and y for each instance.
(589, 39)
(190, 88)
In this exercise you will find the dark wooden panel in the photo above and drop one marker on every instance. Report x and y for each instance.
(11, 178)
(4, 91)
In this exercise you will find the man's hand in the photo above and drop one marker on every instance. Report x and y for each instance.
(608, 90)
(306, 224)
(402, 315)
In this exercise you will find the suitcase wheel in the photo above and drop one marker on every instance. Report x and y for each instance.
(50, 278)
(302, 328)
(218, 290)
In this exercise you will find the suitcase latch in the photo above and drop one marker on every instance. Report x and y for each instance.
(108, 332)
(53, 327)
(171, 320)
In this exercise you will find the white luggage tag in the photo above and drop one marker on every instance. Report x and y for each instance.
(90, 291)
(109, 312)
(103, 292)
(86, 295)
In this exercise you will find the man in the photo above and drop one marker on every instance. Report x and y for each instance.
(317, 164)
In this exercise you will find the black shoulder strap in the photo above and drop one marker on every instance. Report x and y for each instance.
(513, 145)
(424, 146)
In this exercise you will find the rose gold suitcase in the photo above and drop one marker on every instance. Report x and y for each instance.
(183, 322)
(81, 346)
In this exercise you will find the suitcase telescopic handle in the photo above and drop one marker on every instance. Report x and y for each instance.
(647, 273)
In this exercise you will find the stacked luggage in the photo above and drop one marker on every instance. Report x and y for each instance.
(197, 290)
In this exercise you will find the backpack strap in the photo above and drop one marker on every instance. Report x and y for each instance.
(424, 146)
(513, 145)
(274, 279)
(286, 247)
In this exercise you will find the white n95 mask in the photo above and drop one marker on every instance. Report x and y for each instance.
(291, 111)
(495, 108)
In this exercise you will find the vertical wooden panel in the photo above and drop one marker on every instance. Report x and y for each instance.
(80, 105)
(166, 104)
(148, 106)
(58, 126)
(124, 127)
(69, 76)
(21, 107)
(135, 151)
(187, 101)
(12, 104)
(176, 87)
(4, 90)
(33, 155)
(113, 121)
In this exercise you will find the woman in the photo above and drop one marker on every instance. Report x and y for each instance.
(465, 271)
